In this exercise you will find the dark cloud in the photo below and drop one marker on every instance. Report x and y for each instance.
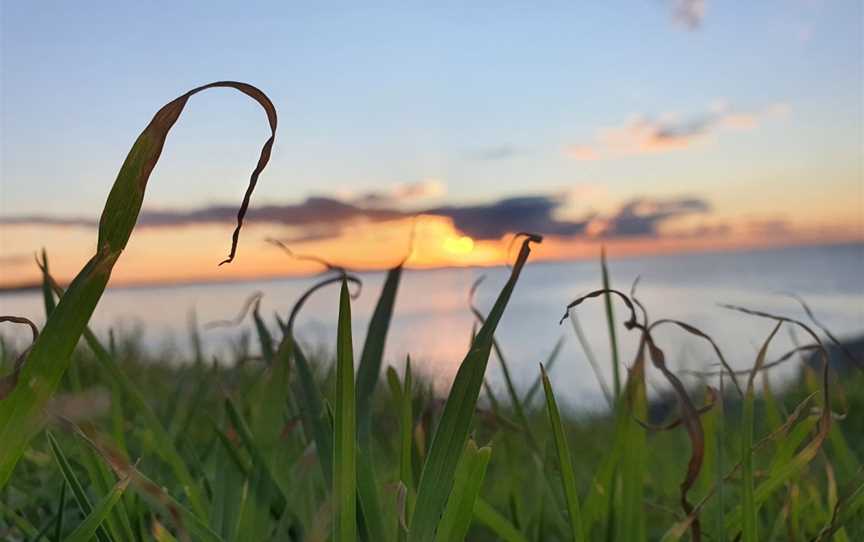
(315, 210)
(320, 218)
(686, 129)
(530, 213)
(42, 220)
(642, 216)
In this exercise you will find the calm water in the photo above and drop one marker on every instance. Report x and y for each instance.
(432, 321)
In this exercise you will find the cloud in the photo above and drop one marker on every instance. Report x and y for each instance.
(320, 218)
(642, 135)
(41, 220)
(643, 216)
(529, 213)
(403, 194)
(315, 210)
(688, 13)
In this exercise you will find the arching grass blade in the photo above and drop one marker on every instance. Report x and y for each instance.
(20, 413)
(568, 478)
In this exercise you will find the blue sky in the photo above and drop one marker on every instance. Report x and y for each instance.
(486, 99)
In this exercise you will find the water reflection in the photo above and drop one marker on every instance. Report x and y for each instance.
(432, 321)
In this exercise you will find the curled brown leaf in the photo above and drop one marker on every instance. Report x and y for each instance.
(252, 301)
(9, 381)
(711, 397)
(689, 414)
(693, 330)
(306, 257)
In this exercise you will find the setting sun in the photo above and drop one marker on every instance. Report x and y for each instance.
(459, 245)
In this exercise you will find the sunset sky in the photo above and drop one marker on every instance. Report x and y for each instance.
(649, 126)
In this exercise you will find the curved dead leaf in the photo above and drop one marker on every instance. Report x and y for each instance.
(701, 334)
(824, 329)
(689, 414)
(295, 310)
(306, 257)
(252, 301)
(711, 397)
(9, 381)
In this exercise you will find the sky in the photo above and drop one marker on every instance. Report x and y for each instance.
(431, 132)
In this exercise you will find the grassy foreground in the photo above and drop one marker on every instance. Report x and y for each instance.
(202, 450)
(102, 442)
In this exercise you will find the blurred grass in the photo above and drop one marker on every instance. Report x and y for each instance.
(513, 502)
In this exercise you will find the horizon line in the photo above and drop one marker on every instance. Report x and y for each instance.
(24, 287)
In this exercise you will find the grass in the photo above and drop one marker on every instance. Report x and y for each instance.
(296, 447)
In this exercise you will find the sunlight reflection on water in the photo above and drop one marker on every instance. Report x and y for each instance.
(432, 321)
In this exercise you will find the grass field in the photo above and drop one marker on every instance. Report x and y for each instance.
(98, 440)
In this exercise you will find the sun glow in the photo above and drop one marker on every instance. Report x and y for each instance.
(459, 245)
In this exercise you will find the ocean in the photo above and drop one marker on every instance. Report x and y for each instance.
(432, 321)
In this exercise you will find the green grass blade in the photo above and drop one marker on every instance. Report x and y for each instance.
(369, 368)
(372, 517)
(466, 487)
(87, 529)
(368, 374)
(610, 322)
(632, 405)
(75, 485)
(21, 411)
(152, 493)
(549, 364)
(254, 514)
(748, 502)
(259, 460)
(117, 523)
(749, 507)
(228, 495)
(406, 430)
(61, 508)
(345, 430)
(312, 412)
(403, 396)
(515, 402)
(568, 477)
(264, 336)
(164, 444)
(13, 517)
(47, 291)
(496, 522)
(451, 434)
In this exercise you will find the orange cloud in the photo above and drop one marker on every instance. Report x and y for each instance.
(642, 135)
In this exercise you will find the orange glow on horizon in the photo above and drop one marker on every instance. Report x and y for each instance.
(191, 254)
